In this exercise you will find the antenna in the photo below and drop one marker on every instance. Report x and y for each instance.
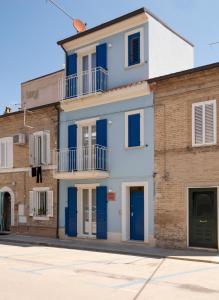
(212, 44)
(25, 116)
(77, 24)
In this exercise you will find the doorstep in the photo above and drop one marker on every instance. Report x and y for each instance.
(136, 249)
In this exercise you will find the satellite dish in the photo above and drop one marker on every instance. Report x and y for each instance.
(79, 25)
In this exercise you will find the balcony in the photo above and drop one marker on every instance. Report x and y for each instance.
(90, 162)
(83, 84)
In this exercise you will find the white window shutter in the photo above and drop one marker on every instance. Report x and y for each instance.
(50, 203)
(1, 154)
(209, 123)
(31, 150)
(198, 124)
(31, 203)
(9, 152)
(46, 147)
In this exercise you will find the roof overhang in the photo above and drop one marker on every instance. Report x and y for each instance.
(104, 30)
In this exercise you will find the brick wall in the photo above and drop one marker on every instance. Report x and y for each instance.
(178, 165)
(19, 179)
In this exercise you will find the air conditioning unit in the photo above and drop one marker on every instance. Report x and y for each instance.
(19, 139)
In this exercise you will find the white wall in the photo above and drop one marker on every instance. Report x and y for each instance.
(168, 53)
(41, 91)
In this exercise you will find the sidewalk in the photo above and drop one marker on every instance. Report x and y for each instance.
(127, 248)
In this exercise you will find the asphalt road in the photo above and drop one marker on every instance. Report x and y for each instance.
(30, 272)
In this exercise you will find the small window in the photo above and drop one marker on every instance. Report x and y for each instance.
(134, 136)
(41, 202)
(6, 152)
(39, 148)
(204, 123)
(134, 47)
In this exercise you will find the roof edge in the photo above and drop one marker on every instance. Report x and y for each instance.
(120, 19)
(42, 76)
(185, 72)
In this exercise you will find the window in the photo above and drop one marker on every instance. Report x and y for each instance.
(134, 128)
(6, 152)
(204, 123)
(41, 202)
(39, 148)
(134, 47)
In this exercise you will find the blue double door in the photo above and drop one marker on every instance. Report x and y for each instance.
(137, 213)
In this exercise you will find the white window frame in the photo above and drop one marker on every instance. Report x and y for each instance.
(127, 34)
(203, 103)
(127, 114)
(83, 52)
(8, 161)
(35, 192)
(44, 156)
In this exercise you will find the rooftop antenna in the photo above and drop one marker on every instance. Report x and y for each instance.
(25, 116)
(77, 24)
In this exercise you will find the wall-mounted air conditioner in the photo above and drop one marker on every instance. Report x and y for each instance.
(19, 139)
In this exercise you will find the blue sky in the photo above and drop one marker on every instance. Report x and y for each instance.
(29, 30)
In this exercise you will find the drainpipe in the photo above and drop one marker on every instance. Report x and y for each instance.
(58, 181)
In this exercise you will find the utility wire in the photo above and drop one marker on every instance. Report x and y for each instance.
(61, 9)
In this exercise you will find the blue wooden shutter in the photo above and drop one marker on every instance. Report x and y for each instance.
(72, 212)
(134, 130)
(134, 49)
(72, 146)
(101, 141)
(101, 62)
(71, 69)
(101, 213)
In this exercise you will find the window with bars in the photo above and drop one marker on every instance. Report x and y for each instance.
(41, 202)
(204, 123)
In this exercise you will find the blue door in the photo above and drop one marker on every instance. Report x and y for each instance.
(137, 213)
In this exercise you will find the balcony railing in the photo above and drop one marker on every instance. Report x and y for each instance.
(83, 84)
(90, 158)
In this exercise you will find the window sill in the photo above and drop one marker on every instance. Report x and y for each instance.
(134, 66)
(43, 218)
(135, 147)
(203, 145)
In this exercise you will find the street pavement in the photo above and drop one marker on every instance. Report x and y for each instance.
(31, 272)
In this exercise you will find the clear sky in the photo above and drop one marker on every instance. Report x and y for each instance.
(29, 30)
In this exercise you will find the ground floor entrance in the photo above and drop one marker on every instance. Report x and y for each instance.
(5, 212)
(203, 217)
(137, 213)
(88, 212)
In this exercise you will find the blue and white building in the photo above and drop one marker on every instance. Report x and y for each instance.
(105, 161)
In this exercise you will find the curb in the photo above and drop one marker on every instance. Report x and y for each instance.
(105, 250)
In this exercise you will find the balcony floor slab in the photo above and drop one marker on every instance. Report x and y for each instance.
(81, 175)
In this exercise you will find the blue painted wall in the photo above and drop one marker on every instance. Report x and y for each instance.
(125, 164)
(118, 74)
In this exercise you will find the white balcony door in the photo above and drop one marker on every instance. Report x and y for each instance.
(89, 212)
(88, 79)
(87, 157)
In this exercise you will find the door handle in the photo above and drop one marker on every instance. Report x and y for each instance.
(203, 221)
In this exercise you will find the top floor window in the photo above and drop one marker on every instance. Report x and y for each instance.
(6, 152)
(204, 123)
(134, 49)
(39, 148)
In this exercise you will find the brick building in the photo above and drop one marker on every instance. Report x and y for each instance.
(186, 158)
(28, 191)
